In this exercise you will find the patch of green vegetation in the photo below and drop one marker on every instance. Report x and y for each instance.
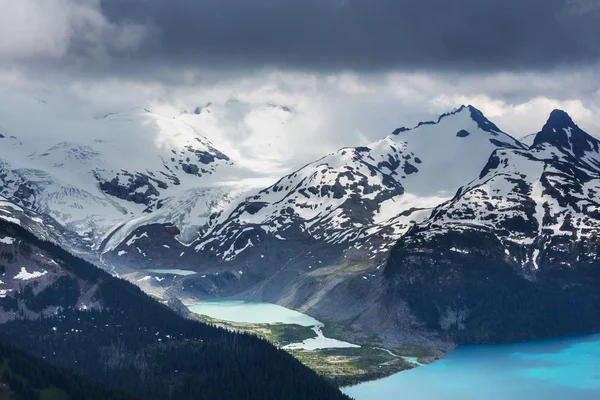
(53, 393)
(290, 333)
(420, 352)
(344, 331)
(345, 266)
(350, 366)
(279, 334)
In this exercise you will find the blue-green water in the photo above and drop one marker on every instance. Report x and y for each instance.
(257, 313)
(554, 369)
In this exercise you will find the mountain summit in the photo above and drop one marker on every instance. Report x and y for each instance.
(514, 255)
(560, 132)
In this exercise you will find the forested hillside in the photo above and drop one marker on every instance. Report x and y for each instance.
(24, 377)
(118, 335)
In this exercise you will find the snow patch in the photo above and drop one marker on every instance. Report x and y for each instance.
(7, 240)
(320, 342)
(24, 275)
(135, 238)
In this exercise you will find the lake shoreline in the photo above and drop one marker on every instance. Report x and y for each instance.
(549, 368)
(346, 364)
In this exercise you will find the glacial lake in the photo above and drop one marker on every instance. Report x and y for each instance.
(553, 369)
(251, 312)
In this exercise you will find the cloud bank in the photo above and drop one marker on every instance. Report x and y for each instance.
(370, 35)
(351, 71)
(41, 30)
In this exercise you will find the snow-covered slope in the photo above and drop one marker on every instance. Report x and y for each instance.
(531, 199)
(357, 193)
(97, 175)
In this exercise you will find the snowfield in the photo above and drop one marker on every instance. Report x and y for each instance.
(24, 275)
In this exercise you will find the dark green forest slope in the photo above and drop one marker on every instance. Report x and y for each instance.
(23, 377)
(124, 338)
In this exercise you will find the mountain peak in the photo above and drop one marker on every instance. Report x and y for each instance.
(482, 122)
(559, 118)
(560, 131)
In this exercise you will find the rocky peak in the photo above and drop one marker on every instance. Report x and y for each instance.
(482, 122)
(560, 131)
(477, 116)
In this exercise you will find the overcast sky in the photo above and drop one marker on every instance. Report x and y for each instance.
(350, 70)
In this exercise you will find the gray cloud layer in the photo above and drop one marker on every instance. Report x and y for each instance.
(367, 34)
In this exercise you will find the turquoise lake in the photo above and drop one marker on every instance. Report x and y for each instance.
(553, 369)
(257, 313)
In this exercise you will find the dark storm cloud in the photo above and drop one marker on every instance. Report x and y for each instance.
(367, 34)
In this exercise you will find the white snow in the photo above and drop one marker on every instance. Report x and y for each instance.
(24, 275)
(534, 258)
(320, 342)
(7, 240)
(15, 221)
(134, 238)
(70, 144)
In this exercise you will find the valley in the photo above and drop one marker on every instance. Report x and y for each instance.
(299, 200)
(368, 262)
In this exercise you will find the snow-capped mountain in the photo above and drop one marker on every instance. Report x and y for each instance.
(99, 175)
(357, 193)
(517, 246)
(530, 198)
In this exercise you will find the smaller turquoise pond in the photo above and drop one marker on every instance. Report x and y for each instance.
(256, 313)
(181, 272)
(554, 369)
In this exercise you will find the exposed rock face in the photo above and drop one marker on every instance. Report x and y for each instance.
(139, 188)
(177, 305)
(34, 285)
